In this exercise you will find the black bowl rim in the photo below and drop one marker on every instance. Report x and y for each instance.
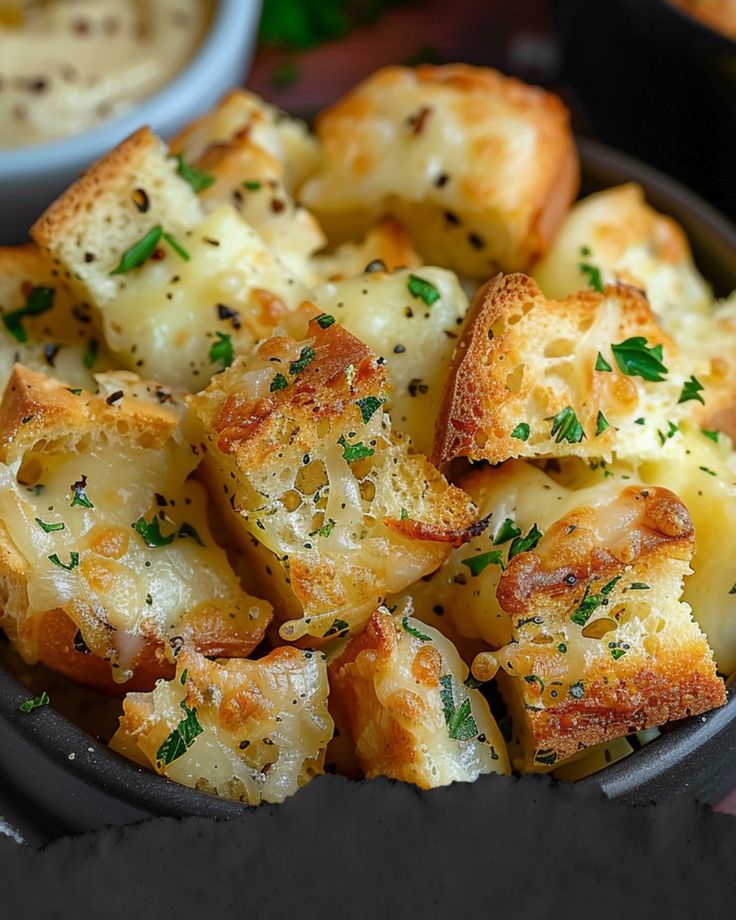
(44, 755)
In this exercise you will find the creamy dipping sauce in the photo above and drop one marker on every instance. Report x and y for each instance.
(67, 65)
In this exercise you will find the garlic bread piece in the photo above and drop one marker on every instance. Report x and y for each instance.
(241, 114)
(386, 246)
(179, 292)
(589, 376)
(45, 326)
(480, 167)
(614, 237)
(398, 689)
(414, 320)
(602, 644)
(252, 731)
(298, 441)
(107, 563)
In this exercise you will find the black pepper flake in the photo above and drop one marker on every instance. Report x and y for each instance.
(277, 206)
(224, 312)
(418, 120)
(452, 218)
(376, 265)
(50, 351)
(442, 180)
(476, 241)
(81, 315)
(89, 257)
(399, 349)
(80, 645)
(26, 419)
(141, 200)
(244, 744)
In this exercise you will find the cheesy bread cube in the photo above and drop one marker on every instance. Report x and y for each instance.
(414, 320)
(299, 443)
(589, 376)
(615, 237)
(251, 731)
(241, 114)
(107, 563)
(602, 644)
(398, 688)
(45, 326)
(480, 167)
(179, 292)
(386, 246)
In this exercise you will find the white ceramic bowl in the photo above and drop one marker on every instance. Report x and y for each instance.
(31, 177)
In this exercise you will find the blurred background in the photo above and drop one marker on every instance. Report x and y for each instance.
(655, 78)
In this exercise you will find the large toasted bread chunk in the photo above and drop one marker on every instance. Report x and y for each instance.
(398, 689)
(107, 562)
(480, 167)
(298, 441)
(179, 292)
(589, 376)
(412, 318)
(45, 326)
(602, 644)
(252, 731)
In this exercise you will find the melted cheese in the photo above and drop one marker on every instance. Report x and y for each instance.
(417, 340)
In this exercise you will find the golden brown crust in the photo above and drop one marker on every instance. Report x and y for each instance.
(504, 373)
(34, 407)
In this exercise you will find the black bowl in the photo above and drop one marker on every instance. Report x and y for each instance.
(56, 778)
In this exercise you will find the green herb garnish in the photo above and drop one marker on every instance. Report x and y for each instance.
(90, 353)
(637, 359)
(196, 177)
(368, 406)
(461, 725)
(507, 531)
(50, 528)
(413, 631)
(80, 495)
(176, 246)
(354, 452)
(601, 424)
(29, 705)
(525, 544)
(186, 530)
(593, 274)
(691, 389)
(521, 432)
(477, 564)
(338, 626)
(181, 738)
(566, 427)
(139, 252)
(222, 351)
(253, 185)
(279, 382)
(713, 435)
(602, 365)
(151, 532)
(306, 356)
(40, 300)
(72, 564)
(324, 320)
(422, 289)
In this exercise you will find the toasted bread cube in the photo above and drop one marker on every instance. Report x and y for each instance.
(386, 246)
(252, 731)
(602, 644)
(590, 376)
(45, 326)
(618, 234)
(241, 114)
(239, 148)
(700, 467)
(399, 689)
(178, 310)
(414, 320)
(479, 167)
(107, 562)
(300, 444)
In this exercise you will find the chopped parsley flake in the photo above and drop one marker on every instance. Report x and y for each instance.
(545, 757)
(368, 406)
(601, 424)
(196, 177)
(181, 738)
(29, 705)
(710, 472)
(637, 359)
(525, 544)
(521, 432)
(566, 427)
(404, 515)
(279, 382)
(593, 274)
(90, 353)
(507, 531)
(222, 351)
(354, 452)
(139, 252)
(40, 300)
(306, 356)
(324, 320)
(461, 725)
(477, 564)
(50, 528)
(186, 530)
(602, 365)
(422, 289)
(338, 626)
(72, 564)
(325, 530)
(413, 631)
(80, 495)
(691, 389)
(713, 435)
(733, 589)
(176, 246)
(253, 185)
(617, 653)
(151, 532)
(184, 675)
(638, 586)
(590, 602)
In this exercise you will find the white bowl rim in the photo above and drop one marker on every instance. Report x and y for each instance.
(229, 20)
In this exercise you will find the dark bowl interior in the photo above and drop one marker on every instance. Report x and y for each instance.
(55, 778)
